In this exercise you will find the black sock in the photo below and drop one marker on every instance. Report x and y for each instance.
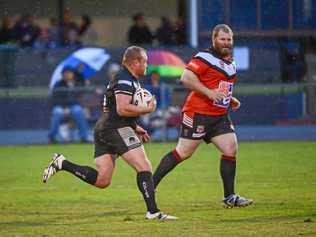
(168, 162)
(146, 186)
(228, 171)
(85, 173)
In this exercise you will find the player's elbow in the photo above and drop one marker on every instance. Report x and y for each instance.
(182, 79)
(185, 82)
(120, 112)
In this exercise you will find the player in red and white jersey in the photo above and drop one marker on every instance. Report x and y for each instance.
(215, 74)
(211, 76)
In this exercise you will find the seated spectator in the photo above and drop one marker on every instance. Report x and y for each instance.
(139, 33)
(6, 33)
(88, 35)
(165, 32)
(65, 105)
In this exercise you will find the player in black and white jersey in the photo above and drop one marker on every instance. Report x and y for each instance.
(117, 134)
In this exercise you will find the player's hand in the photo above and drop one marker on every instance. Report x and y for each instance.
(216, 95)
(152, 104)
(235, 103)
(142, 133)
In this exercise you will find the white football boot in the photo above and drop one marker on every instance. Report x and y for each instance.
(53, 167)
(235, 200)
(160, 216)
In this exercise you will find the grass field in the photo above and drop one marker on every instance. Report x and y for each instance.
(279, 176)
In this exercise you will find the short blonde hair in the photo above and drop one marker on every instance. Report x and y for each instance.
(132, 53)
(221, 27)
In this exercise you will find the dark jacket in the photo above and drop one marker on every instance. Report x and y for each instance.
(64, 95)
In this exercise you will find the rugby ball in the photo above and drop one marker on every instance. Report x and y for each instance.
(142, 97)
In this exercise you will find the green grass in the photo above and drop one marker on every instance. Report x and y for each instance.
(280, 177)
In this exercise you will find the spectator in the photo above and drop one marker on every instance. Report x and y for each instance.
(42, 40)
(53, 33)
(6, 33)
(65, 105)
(165, 32)
(154, 87)
(70, 30)
(16, 29)
(26, 31)
(88, 35)
(180, 32)
(139, 33)
(293, 63)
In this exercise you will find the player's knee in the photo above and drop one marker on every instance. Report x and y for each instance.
(143, 166)
(231, 149)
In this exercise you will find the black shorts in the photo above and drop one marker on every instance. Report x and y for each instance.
(205, 126)
(115, 141)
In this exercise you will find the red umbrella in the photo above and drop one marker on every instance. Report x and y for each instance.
(166, 63)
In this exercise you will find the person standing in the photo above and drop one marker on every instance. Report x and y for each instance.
(211, 76)
(139, 33)
(117, 134)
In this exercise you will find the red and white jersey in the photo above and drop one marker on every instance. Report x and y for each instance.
(214, 73)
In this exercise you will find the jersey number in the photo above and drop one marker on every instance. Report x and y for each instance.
(227, 88)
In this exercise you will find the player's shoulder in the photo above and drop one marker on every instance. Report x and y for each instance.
(123, 77)
(123, 74)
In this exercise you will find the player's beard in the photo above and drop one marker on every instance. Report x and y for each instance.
(223, 51)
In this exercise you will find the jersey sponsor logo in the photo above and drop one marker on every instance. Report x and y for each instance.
(200, 128)
(227, 88)
(197, 135)
(129, 137)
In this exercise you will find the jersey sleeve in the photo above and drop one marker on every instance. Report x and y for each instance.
(197, 66)
(124, 86)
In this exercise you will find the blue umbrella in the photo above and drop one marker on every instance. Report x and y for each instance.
(90, 59)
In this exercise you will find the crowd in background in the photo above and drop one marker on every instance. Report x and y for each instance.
(167, 34)
(25, 32)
